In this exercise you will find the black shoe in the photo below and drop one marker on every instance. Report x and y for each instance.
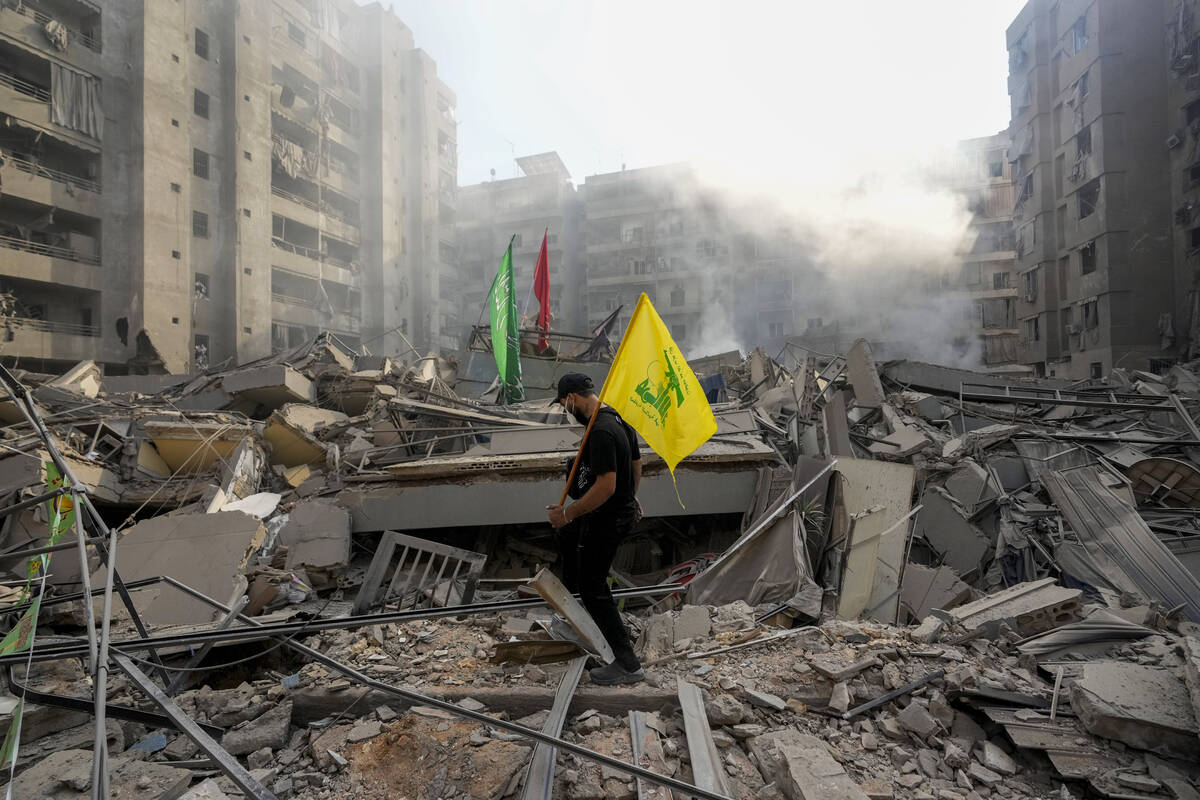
(614, 673)
(592, 663)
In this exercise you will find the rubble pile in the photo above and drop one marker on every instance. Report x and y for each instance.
(878, 581)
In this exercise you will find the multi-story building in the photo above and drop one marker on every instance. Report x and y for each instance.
(543, 201)
(655, 230)
(1093, 214)
(1183, 145)
(198, 182)
(986, 277)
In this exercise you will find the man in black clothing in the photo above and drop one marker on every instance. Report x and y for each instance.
(604, 511)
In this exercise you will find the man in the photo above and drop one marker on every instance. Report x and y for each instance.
(604, 511)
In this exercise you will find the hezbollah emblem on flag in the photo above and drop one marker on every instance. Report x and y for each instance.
(653, 389)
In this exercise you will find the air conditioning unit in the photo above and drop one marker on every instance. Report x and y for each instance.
(1174, 141)
(1072, 330)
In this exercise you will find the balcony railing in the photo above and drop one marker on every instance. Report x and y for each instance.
(41, 17)
(307, 252)
(43, 326)
(353, 313)
(333, 211)
(25, 87)
(13, 243)
(25, 164)
(295, 198)
(340, 167)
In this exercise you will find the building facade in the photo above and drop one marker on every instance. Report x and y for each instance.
(1093, 209)
(193, 183)
(543, 201)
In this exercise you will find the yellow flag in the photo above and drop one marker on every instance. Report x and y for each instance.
(653, 389)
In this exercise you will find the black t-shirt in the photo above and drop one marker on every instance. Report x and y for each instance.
(611, 447)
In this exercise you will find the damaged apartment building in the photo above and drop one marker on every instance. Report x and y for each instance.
(192, 183)
(1105, 124)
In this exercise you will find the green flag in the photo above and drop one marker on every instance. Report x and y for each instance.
(506, 342)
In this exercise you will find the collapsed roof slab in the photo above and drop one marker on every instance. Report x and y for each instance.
(521, 500)
(271, 385)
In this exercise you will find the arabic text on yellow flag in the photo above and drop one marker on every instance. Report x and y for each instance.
(653, 389)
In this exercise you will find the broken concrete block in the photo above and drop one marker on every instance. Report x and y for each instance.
(1144, 707)
(765, 700)
(803, 767)
(913, 717)
(926, 588)
(735, 616)
(980, 773)
(725, 709)
(270, 386)
(839, 698)
(205, 551)
(836, 669)
(205, 790)
(269, 730)
(692, 623)
(1035, 606)
(67, 775)
(997, 760)
(317, 534)
(928, 631)
(364, 731)
(289, 431)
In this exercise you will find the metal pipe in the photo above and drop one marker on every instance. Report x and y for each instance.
(33, 501)
(418, 699)
(85, 576)
(892, 695)
(69, 649)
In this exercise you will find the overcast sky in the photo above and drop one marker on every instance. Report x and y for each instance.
(759, 89)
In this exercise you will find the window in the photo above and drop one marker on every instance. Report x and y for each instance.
(1091, 315)
(1089, 198)
(634, 234)
(296, 33)
(1193, 173)
(200, 103)
(1191, 112)
(1033, 330)
(199, 224)
(1096, 369)
(706, 248)
(813, 323)
(1068, 326)
(176, 188)
(677, 296)
(201, 44)
(85, 317)
(776, 329)
(1194, 239)
(200, 352)
(200, 163)
(201, 288)
(678, 332)
(1161, 366)
(1083, 142)
(640, 267)
(1087, 258)
(1082, 84)
(175, 254)
(1029, 286)
(1000, 280)
(995, 167)
(1078, 35)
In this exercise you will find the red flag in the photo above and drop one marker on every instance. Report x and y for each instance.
(541, 290)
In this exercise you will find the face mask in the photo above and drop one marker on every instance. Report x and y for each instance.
(579, 416)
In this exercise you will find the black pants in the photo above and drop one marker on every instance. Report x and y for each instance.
(587, 548)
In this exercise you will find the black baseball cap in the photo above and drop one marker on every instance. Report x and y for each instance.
(573, 382)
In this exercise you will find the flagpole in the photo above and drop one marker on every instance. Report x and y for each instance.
(599, 401)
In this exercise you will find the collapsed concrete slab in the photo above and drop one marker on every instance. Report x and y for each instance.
(271, 386)
(205, 551)
(67, 775)
(290, 433)
(317, 535)
(925, 588)
(1145, 707)
(803, 767)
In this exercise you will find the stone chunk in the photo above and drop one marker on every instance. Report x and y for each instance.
(364, 731)
(692, 623)
(269, 730)
(205, 790)
(1035, 606)
(725, 709)
(839, 699)
(997, 760)
(915, 718)
(836, 669)
(980, 773)
(928, 631)
(735, 616)
(765, 700)
(802, 767)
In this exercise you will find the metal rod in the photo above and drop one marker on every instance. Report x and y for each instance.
(181, 677)
(475, 716)
(56, 651)
(85, 576)
(892, 695)
(227, 763)
(33, 501)
(37, 551)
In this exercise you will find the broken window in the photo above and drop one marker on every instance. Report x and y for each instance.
(1194, 239)
(1077, 38)
(1096, 369)
(1029, 285)
(1091, 315)
(995, 167)
(1033, 330)
(1087, 258)
(201, 288)
(633, 234)
(200, 352)
(677, 296)
(1089, 198)
(1000, 280)
(200, 103)
(200, 163)
(1081, 85)
(199, 224)
(1083, 142)
(1019, 52)
(201, 44)
(776, 330)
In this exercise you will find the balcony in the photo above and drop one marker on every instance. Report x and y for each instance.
(40, 18)
(302, 311)
(29, 180)
(63, 253)
(35, 338)
(293, 206)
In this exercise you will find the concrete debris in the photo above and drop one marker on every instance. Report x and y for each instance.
(881, 615)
